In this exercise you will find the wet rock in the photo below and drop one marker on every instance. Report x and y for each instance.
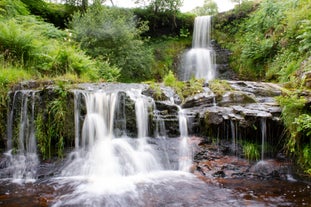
(267, 169)
(32, 84)
(219, 174)
(236, 97)
(259, 89)
(213, 117)
(224, 71)
(205, 99)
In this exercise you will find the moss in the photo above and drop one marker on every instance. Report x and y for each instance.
(220, 87)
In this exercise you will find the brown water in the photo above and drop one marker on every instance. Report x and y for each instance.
(163, 189)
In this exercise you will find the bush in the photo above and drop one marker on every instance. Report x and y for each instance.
(112, 36)
(16, 44)
(57, 14)
(165, 22)
(9, 8)
(268, 42)
(166, 51)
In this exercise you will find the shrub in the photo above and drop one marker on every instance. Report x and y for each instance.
(16, 45)
(9, 8)
(111, 35)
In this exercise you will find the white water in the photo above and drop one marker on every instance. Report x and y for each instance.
(234, 134)
(101, 154)
(199, 62)
(263, 136)
(111, 167)
(185, 152)
(23, 159)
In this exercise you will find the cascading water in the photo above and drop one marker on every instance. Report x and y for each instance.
(185, 153)
(263, 136)
(100, 153)
(23, 159)
(109, 164)
(107, 168)
(234, 134)
(199, 62)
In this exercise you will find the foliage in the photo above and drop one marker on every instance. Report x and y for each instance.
(251, 151)
(304, 124)
(192, 87)
(305, 159)
(305, 36)
(164, 5)
(16, 44)
(219, 87)
(39, 47)
(292, 106)
(184, 89)
(272, 41)
(165, 51)
(111, 35)
(164, 23)
(169, 79)
(298, 124)
(57, 14)
(51, 125)
(209, 8)
(157, 93)
(269, 42)
(9, 8)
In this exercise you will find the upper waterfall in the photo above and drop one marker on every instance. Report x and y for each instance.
(202, 32)
(199, 62)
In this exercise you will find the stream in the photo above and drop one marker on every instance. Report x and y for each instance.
(128, 150)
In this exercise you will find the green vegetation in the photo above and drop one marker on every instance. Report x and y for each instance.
(112, 35)
(296, 119)
(271, 41)
(53, 124)
(74, 43)
(219, 87)
(209, 8)
(251, 151)
(184, 89)
(166, 51)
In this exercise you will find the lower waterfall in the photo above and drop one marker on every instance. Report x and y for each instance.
(109, 165)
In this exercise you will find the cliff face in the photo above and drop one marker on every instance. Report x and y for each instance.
(237, 112)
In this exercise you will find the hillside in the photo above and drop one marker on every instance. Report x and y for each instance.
(271, 41)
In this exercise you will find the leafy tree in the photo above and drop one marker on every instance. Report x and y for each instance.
(162, 12)
(209, 8)
(112, 35)
(82, 4)
(162, 5)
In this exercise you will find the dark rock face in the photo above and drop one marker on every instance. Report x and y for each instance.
(239, 113)
(224, 71)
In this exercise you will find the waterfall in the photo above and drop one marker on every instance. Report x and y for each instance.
(23, 159)
(263, 136)
(234, 134)
(77, 118)
(185, 153)
(199, 62)
(141, 109)
(101, 153)
(160, 130)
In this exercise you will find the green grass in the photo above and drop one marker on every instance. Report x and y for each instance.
(251, 151)
(10, 75)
